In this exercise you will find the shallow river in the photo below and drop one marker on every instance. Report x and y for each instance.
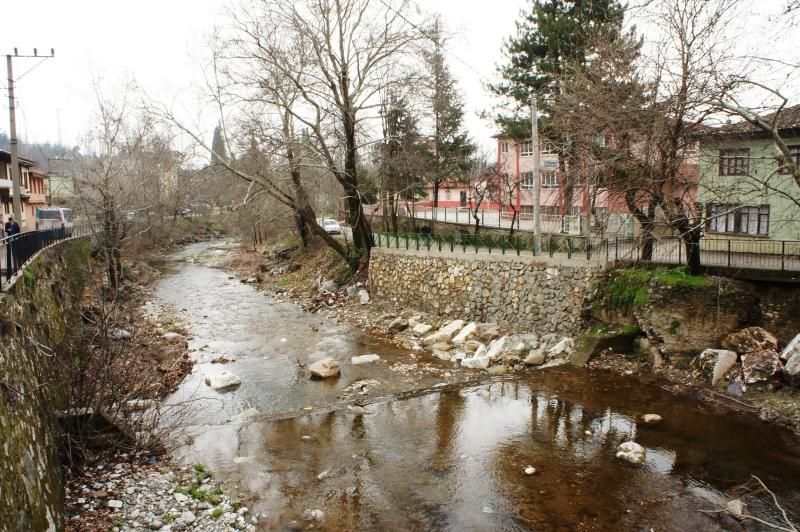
(421, 457)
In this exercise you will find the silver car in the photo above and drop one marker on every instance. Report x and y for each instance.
(331, 227)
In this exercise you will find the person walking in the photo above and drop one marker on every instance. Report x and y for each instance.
(11, 227)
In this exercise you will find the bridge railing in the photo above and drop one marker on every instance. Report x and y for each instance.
(17, 250)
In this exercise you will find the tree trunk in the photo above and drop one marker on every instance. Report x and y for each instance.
(302, 229)
(646, 221)
(436, 185)
(513, 221)
(362, 233)
(411, 216)
(691, 240)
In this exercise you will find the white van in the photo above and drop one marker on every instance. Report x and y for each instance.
(54, 218)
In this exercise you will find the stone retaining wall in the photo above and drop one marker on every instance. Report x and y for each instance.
(35, 317)
(524, 293)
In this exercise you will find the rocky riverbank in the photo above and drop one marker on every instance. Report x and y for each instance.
(135, 492)
(286, 275)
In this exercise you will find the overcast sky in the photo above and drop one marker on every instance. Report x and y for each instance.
(160, 44)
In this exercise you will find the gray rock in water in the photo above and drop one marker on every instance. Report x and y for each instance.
(325, 368)
(364, 359)
(397, 325)
(651, 419)
(535, 357)
(631, 452)
(219, 381)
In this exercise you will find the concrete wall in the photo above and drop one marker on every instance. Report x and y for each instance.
(524, 293)
(35, 317)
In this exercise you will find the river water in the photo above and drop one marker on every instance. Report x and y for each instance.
(417, 456)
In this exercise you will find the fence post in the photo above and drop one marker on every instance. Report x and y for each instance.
(729, 253)
(783, 255)
(416, 240)
(679, 253)
(588, 248)
(616, 249)
(482, 222)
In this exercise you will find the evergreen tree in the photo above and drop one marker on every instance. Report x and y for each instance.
(219, 154)
(554, 35)
(405, 156)
(452, 147)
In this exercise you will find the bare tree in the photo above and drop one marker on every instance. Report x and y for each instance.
(338, 55)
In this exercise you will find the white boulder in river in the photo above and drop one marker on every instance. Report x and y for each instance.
(445, 333)
(632, 452)
(322, 369)
(364, 359)
(226, 379)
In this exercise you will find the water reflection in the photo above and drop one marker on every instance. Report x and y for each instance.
(454, 460)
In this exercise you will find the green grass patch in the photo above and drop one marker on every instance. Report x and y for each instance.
(630, 328)
(216, 513)
(629, 288)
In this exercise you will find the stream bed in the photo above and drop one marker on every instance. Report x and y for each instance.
(436, 449)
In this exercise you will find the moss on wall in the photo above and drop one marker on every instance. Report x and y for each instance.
(35, 317)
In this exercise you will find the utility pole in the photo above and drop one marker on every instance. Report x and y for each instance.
(537, 190)
(12, 117)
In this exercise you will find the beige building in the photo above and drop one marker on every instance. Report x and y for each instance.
(32, 186)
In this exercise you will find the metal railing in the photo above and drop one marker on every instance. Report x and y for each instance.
(621, 225)
(771, 255)
(17, 250)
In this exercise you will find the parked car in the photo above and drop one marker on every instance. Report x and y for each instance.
(54, 218)
(331, 227)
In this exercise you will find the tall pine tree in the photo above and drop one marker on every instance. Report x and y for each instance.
(551, 37)
(219, 153)
(452, 147)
